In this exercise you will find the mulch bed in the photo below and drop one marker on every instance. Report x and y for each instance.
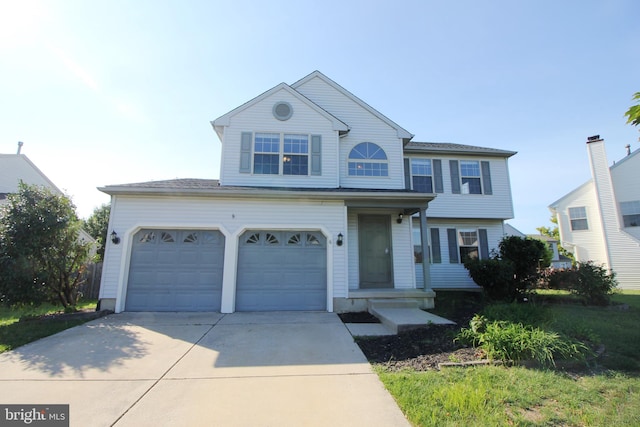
(84, 315)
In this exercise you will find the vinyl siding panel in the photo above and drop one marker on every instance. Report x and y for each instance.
(364, 127)
(259, 118)
(227, 215)
(446, 275)
(497, 205)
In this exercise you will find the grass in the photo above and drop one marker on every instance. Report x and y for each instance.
(19, 326)
(608, 393)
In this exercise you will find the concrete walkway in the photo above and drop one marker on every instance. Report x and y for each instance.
(208, 369)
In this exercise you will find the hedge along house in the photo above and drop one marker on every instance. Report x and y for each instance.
(312, 211)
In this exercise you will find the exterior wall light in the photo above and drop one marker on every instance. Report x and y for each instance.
(114, 237)
(399, 220)
(339, 241)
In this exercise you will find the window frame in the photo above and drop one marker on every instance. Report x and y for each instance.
(282, 154)
(573, 221)
(460, 241)
(630, 219)
(363, 162)
(466, 185)
(414, 175)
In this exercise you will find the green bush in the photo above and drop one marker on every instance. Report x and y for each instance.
(495, 277)
(514, 342)
(509, 274)
(592, 283)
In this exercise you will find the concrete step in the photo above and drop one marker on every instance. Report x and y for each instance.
(393, 303)
(399, 319)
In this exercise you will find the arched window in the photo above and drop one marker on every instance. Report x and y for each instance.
(368, 159)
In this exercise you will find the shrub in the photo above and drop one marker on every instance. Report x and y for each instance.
(592, 283)
(495, 277)
(514, 342)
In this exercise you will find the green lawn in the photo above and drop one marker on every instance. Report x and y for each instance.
(607, 393)
(19, 326)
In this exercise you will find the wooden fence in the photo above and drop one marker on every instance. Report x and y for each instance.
(90, 289)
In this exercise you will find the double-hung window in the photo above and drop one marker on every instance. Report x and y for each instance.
(295, 158)
(421, 175)
(270, 150)
(470, 177)
(266, 153)
(578, 218)
(630, 213)
(468, 244)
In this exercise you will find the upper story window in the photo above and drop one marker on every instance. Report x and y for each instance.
(578, 218)
(630, 213)
(368, 159)
(299, 154)
(470, 177)
(421, 175)
(266, 153)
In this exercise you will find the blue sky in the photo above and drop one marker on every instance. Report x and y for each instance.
(109, 92)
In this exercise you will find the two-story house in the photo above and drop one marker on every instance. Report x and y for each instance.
(314, 210)
(600, 220)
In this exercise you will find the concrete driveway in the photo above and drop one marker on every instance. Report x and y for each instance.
(209, 369)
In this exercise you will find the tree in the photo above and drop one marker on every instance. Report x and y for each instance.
(554, 233)
(633, 113)
(41, 256)
(97, 226)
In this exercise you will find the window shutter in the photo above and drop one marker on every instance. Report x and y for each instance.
(453, 245)
(437, 176)
(316, 155)
(407, 174)
(436, 257)
(486, 178)
(484, 243)
(455, 177)
(245, 152)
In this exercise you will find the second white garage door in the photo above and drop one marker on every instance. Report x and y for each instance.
(282, 270)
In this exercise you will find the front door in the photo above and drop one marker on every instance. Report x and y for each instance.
(374, 239)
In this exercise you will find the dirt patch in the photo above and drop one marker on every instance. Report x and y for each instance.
(84, 315)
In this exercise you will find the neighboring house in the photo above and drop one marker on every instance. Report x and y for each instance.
(600, 220)
(510, 230)
(17, 167)
(557, 260)
(313, 211)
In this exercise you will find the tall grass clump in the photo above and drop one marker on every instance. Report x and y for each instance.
(513, 342)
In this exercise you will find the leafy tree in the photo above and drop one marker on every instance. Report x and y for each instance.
(41, 257)
(528, 256)
(554, 233)
(633, 113)
(97, 226)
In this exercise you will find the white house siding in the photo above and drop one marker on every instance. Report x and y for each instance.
(231, 217)
(585, 244)
(624, 175)
(364, 127)
(449, 205)
(446, 275)
(259, 118)
(402, 249)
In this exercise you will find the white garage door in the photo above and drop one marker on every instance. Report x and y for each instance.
(175, 270)
(282, 270)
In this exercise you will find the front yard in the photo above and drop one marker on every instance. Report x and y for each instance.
(602, 391)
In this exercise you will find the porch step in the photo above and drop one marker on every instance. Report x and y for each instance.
(402, 315)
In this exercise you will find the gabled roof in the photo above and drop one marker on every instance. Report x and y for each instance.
(16, 167)
(219, 123)
(402, 133)
(449, 148)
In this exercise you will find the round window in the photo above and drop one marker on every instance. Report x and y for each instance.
(282, 110)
